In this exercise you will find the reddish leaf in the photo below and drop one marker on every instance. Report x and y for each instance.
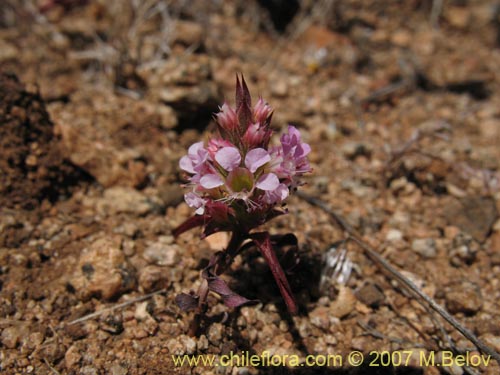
(242, 93)
(186, 302)
(231, 299)
(192, 222)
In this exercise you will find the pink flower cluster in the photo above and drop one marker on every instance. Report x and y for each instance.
(236, 181)
(239, 168)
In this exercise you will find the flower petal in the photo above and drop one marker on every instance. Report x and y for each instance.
(186, 164)
(228, 158)
(210, 181)
(194, 200)
(193, 149)
(277, 195)
(268, 181)
(256, 158)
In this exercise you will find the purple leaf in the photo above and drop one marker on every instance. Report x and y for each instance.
(231, 299)
(243, 105)
(186, 302)
(242, 93)
(192, 222)
(263, 242)
(219, 286)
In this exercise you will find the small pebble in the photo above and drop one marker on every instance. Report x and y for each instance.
(426, 247)
(464, 297)
(214, 334)
(370, 295)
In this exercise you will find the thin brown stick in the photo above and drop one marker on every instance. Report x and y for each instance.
(379, 335)
(51, 367)
(116, 307)
(412, 288)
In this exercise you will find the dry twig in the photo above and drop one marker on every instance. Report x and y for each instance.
(51, 367)
(116, 307)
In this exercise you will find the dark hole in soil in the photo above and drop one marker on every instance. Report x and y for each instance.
(281, 12)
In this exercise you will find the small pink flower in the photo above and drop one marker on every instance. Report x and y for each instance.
(262, 111)
(291, 158)
(194, 160)
(227, 118)
(195, 201)
(257, 135)
(277, 195)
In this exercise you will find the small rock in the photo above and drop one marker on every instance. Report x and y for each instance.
(162, 253)
(189, 344)
(34, 340)
(464, 297)
(168, 117)
(123, 200)
(401, 38)
(103, 271)
(10, 336)
(218, 241)
(474, 215)
(129, 229)
(488, 324)
(320, 317)
(458, 17)
(352, 149)
(8, 51)
(141, 311)
(490, 128)
(359, 343)
(72, 357)
(463, 249)
(370, 294)
(89, 370)
(279, 88)
(426, 247)
(344, 304)
(152, 278)
(188, 33)
(202, 343)
(214, 334)
(249, 314)
(112, 324)
(175, 347)
(76, 331)
(171, 195)
(117, 369)
(394, 235)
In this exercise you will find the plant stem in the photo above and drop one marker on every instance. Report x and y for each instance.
(233, 248)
